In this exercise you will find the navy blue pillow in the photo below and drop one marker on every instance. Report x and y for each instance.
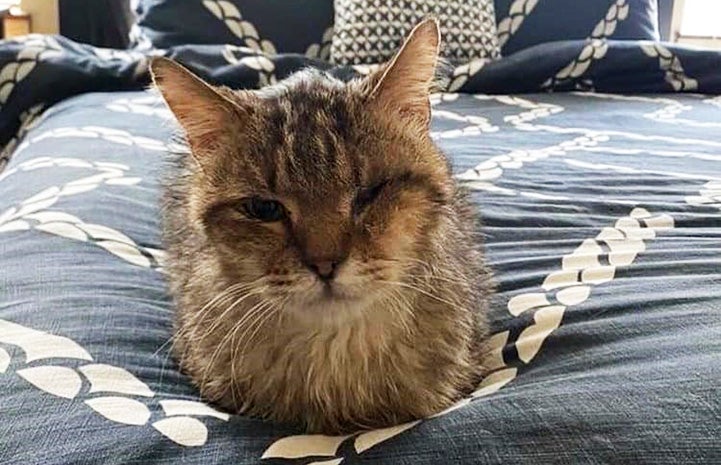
(273, 26)
(524, 23)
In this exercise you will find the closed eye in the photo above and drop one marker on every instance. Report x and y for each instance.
(366, 196)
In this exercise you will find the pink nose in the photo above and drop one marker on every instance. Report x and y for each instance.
(324, 269)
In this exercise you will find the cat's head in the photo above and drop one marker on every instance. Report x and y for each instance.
(322, 193)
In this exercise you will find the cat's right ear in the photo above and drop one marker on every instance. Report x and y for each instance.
(404, 83)
(202, 111)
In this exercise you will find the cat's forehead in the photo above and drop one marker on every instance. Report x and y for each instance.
(318, 137)
(311, 125)
(313, 97)
(302, 82)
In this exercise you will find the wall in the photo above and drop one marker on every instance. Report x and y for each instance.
(704, 42)
(44, 15)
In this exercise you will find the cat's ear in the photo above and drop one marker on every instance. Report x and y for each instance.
(405, 82)
(202, 111)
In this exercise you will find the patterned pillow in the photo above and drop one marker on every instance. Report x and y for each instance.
(524, 23)
(273, 26)
(369, 31)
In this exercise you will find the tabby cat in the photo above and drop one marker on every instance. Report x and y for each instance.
(326, 267)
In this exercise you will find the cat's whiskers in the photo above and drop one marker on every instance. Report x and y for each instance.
(435, 271)
(175, 336)
(274, 309)
(435, 277)
(233, 349)
(223, 295)
(226, 338)
(430, 272)
(228, 293)
(399, 306)
(424, 292)
(244, 323)
(220, 319)
(191, 326)
(262, 315)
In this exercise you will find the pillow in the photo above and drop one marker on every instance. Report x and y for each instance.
(273, 26)
(524, 23)
(370, 31)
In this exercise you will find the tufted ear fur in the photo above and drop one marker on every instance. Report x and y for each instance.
(204, 112)
(404, 83)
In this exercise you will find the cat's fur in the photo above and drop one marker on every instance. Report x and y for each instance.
(399, 338)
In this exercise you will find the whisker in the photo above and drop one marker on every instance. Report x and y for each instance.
(225, 339)
(394, 301)
(234, 346)
(426, 293)
(220, 319)
(225, 295)
(430, 271)
(191, 326)
(257, 324)
(175, 335)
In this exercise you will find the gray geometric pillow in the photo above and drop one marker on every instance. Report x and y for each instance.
(370, 31)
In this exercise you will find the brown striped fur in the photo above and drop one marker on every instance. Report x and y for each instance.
(397, 337)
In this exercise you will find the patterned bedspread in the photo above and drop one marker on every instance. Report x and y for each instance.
(602, 216)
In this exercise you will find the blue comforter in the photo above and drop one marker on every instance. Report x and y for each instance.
(602, 221)
(37, 71)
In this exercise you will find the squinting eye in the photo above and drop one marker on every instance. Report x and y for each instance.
(366, 196)
(262, 209)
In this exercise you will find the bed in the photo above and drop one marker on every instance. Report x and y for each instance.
(595, 164)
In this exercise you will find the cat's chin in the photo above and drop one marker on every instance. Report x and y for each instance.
(335, 299)
(332, 295)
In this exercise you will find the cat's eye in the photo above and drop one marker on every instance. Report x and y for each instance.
(366, 196)
(262, 209)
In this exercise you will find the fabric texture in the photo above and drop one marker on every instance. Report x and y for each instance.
(270, 26)
(38, 71)
(103, 23)
(595, 167)
(370, 31)
(602, 222)
(525, 23)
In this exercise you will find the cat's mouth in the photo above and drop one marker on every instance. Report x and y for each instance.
(328, 294)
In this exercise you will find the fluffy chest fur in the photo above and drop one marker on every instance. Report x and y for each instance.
(369, 371)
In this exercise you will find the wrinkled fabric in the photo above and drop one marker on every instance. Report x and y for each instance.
(602, 223)
(37, 71)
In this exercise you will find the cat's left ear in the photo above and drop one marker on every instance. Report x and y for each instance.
(202, 111)
(404, 84)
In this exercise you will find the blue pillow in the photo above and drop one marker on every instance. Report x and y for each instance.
(272, 26)
(525, 23)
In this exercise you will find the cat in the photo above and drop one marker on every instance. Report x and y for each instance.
(326, 267)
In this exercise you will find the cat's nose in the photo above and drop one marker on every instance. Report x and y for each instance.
(325, 269)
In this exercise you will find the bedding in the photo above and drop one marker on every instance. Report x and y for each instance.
(524, 23)
(308, 27)
(601, 203)
(272, 26)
